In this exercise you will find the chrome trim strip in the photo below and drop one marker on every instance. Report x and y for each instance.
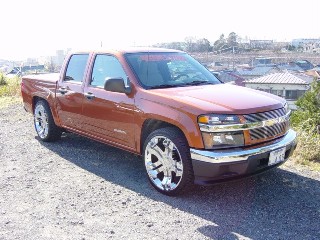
(237, 155)
(245, 126)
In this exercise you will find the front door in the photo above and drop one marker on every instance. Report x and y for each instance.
(108, 115)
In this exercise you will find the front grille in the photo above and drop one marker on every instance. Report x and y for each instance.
(258, 117)
(269, 131)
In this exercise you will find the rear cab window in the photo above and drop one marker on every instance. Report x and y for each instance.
(76, 68)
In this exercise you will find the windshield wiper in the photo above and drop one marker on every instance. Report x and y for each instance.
(164, 86)
(198, 82)
(193, 83)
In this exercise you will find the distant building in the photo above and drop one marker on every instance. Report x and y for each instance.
(292, 66)
(304, 64)
(287, 85)
(261, 44)
(307, 44)
(262, 61)
(258, 71)
(315, 73)
(59, 58)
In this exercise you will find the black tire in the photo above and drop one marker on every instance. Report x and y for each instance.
(157, 143)
(44, 124)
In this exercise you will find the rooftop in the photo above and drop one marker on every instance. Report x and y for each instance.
(281, 78)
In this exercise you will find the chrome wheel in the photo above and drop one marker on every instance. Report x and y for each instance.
(41, 121)
(163, 163)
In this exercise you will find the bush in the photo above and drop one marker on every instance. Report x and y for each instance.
(308, 149)
(306, 121)
(2, 79)
(307, 116)
(10, 87)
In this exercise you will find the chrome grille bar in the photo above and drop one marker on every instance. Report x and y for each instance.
(258, 117)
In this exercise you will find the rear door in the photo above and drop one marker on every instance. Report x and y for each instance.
(69, 93)
(108, 115)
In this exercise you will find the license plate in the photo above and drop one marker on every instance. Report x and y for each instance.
(277, 156)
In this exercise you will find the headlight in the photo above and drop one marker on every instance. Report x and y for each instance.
(218, 119)
(221, 139)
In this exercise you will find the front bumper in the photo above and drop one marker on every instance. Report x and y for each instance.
(212, 166)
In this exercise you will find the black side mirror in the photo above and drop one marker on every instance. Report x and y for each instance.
(117, 85)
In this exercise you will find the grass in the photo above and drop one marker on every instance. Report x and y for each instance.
(308, 149)
(9, 90)
(7, 101)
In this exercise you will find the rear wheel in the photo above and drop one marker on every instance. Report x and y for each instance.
(167, 161)
(44, 124)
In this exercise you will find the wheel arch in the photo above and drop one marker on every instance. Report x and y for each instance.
(150, 125)
(37, 98)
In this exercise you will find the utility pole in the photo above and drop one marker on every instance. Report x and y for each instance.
(233, 58)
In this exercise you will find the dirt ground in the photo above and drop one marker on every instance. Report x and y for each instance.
(80, 189)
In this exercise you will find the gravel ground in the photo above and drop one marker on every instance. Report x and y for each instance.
(80, 189)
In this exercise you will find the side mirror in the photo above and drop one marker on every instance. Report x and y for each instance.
(117, 85)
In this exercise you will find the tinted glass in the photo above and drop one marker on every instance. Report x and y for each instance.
(76, 67)
(161, 70)
(106, 66)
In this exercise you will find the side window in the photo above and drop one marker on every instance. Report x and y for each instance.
(76, 67)
(106, 66)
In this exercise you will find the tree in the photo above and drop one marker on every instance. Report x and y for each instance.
(220, 43)
(232, 40)
(203, 45)
(307, 115)
(50, 65)
(190, 44)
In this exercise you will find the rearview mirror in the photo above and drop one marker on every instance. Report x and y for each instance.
(117, 85)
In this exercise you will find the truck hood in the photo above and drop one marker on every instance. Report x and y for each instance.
(220, 98)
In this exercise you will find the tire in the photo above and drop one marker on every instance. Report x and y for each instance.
(44, 124)
(167, 161)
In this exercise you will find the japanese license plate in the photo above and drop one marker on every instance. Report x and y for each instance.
(277, 156)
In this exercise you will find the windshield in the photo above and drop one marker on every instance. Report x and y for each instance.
(163, 70)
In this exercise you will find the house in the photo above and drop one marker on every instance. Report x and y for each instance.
(291, 66)
(287, 85)
(305, 64)
(258, 71)
(315, 73)
(307, 44)
(261, 44)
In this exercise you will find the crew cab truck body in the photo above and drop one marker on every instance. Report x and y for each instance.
(164, 105)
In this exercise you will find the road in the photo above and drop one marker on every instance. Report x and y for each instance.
(80, 189)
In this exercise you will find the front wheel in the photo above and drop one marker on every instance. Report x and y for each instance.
(44, 124)
(167, 161)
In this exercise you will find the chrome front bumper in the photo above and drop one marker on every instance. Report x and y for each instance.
(221, 165)
(236, 155)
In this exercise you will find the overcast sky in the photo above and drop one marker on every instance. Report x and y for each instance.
(38, 27)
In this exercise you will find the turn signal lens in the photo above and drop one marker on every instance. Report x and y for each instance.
(203, 119)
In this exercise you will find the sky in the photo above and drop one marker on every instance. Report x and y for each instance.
(36, 28)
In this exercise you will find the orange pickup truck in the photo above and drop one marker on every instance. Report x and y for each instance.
(164, 105)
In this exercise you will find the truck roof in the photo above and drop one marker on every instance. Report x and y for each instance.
(128, 50)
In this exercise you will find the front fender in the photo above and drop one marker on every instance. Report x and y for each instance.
(184, 120)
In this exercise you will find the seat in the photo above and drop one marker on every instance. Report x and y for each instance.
(150, 74)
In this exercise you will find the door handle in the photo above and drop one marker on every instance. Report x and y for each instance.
(63, 90)
(89, 95)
